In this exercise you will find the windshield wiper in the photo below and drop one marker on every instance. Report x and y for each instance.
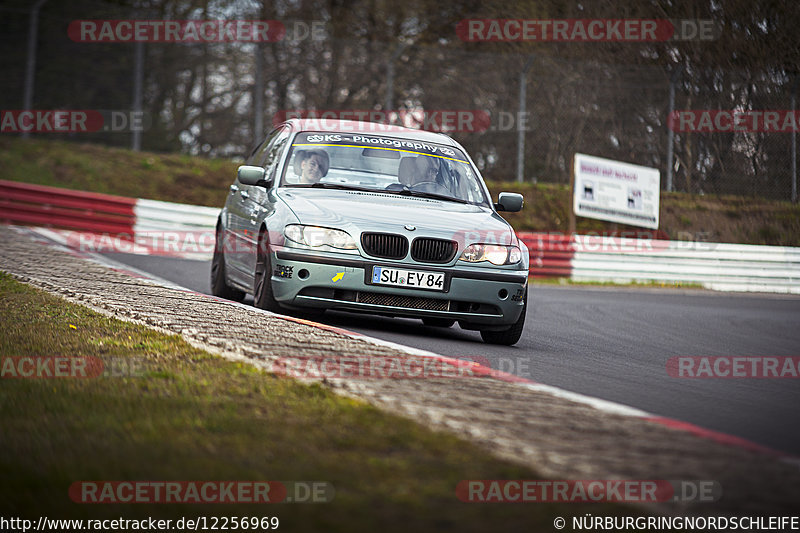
(330, 185)
(405, 191)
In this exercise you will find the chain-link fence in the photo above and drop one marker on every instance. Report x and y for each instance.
(731, 132)
(216, 99)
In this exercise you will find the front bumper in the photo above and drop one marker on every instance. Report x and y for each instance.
(473, 296)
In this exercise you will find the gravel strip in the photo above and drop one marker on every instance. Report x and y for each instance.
(556, 437)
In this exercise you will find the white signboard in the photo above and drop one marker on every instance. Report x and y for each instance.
(615, 191)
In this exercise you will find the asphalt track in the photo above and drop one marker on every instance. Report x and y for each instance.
(613, 343)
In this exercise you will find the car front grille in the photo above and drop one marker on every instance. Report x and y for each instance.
(408, 302)
(399, 301)
(427, 250)
(385, 245)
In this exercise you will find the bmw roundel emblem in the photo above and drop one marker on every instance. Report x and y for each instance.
(409, 227)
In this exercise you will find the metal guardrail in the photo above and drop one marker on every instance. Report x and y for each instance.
(719, 266)
(153, 215)
(550, 254)
(730, 267)
(39, 205)
(22, 203)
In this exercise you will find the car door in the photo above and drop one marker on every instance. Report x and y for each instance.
(240, 208)
(260, 204)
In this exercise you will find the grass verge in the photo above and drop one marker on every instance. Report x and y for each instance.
(631, 284)
(201, 181)
(185, 414)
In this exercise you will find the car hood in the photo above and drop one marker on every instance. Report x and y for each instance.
(357, 212)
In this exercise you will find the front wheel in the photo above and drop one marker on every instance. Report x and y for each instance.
(511, 335)
(219, 287)
(262, 290)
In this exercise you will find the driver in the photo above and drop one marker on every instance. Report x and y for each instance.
(311, 165)
(427, 168)
(416, 170)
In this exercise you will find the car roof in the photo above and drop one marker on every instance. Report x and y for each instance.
(368, 128)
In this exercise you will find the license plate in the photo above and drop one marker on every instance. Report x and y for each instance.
(413, 279)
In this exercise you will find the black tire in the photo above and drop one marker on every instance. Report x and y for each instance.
(309, 313)
(262, 286)
(438, 322)
(219, 287)
(512, 335)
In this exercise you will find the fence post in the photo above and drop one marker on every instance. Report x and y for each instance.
(30, 66)
(387, 107)
(673, 80)
(520, 130)
(138, 81)
(258, 94)
(794, 140)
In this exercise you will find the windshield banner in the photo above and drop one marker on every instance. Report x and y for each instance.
(370, 141)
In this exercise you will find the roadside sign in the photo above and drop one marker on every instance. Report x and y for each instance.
(615, 191)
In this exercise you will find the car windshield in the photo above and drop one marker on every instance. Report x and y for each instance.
(367, 162)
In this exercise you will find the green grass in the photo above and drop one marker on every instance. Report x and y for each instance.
(200, 181)
(632, 284)
(732, 219)
(91, 167)
(188, 415)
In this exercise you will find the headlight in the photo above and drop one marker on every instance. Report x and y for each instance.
(496, 254)
(316, 236)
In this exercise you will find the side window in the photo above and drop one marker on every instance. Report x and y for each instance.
(272, 153)
(257, 155)
(268, 155)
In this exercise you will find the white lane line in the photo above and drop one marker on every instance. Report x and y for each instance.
(598, 403)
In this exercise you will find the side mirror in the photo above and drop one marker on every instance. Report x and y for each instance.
(509, 201)
(250, 175)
